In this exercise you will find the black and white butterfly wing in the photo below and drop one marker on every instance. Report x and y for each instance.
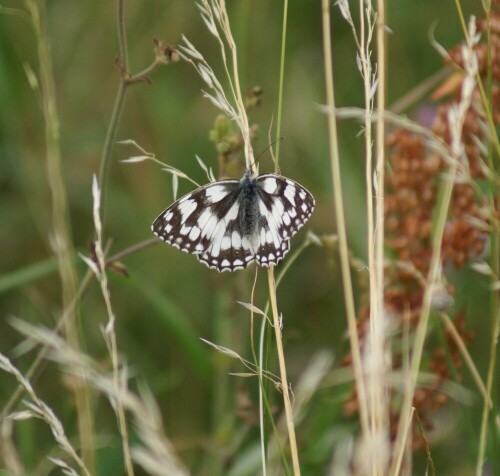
(229, 224)
(284, 206)
(204, 222)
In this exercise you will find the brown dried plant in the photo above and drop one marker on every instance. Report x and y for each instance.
(411, 195)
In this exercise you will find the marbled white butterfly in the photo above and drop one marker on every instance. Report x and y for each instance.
(228, 224)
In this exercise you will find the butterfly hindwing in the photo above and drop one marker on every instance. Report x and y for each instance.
(189, 223)
(231, 252)
(288, 203)
(229, 224)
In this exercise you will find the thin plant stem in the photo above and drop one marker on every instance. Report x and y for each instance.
(406, 430)
(284, 381)
(434, 269)
(276, 165)
(420, 91)
(132, 250)
(260, 366)
(32, 372)
(62, 240)
(117, 107)
(495, 267)
(484, 99)
(281, 81)
(467, 359)
(380, 423)
(340, 219)
(110, 139)
(456, 119)
(126, 79)
(109, 330)
(373, 264)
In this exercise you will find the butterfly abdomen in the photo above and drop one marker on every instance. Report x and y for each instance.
(249, 213)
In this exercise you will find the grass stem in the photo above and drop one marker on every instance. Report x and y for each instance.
(61, 238)
(340, 219)
(284, 381)
(281, 81)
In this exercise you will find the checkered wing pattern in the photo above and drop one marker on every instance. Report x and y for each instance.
(229, 224)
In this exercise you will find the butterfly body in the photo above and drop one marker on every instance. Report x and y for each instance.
(229, 224)
(249, 213)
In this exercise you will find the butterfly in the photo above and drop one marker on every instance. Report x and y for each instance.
(229, 224)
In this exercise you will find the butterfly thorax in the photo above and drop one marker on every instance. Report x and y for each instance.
(249, 214)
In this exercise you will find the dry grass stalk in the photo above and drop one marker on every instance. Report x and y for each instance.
(215, 16)
(37, 408)
(456, 119)
(340, 220)
(155, 453)
(61, 239)
(109, 330)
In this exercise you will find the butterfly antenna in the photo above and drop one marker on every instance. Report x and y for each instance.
(266, 149)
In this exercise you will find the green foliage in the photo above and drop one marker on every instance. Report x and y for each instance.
(170, 300)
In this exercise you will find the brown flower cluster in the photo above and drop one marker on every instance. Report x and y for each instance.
(410, 198)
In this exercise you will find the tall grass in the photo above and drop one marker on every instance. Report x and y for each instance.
(294, 398)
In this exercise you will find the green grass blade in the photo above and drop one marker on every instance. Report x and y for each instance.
(177, 323)
(27, 274)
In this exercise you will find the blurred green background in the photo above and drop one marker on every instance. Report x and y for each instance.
(170, 300)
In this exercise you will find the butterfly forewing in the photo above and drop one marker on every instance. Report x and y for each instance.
(229, 224)
(288, 204)
(189, 224)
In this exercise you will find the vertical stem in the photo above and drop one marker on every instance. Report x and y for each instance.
(117, 107)
(380, 425)
(108, 144)
(284, 381)
(281, 82)
(340, 219)
(432, 277)
(494, 298)
(109, 330)
(62, 239)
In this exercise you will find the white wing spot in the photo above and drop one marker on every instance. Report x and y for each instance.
(168, 216)
(304, 207)
(237, 262)
(245, 242)
(270, 185)
(215, 193)
(168, 228)
(186, 208)
(286, 218)
(290, 194)
(277, 210)
(204, 217)
(226, 243)
(216, 243)
(236, 239)
(211, 227)
(195, 233)
(232, 214)
(225, 263)
(185, 230)
(262, 208)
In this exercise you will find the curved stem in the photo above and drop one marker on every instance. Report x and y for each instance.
(108, 143)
